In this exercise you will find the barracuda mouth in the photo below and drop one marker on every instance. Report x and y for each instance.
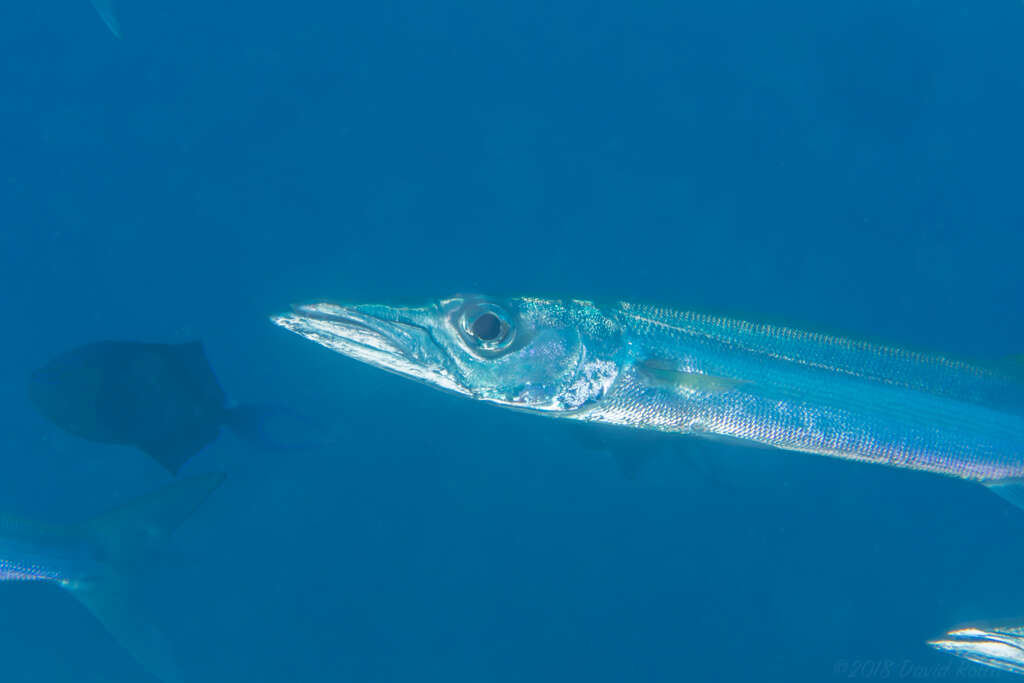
(998, 648)
(382, 336)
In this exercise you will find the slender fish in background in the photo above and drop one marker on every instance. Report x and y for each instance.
(97, 561)
(646, 367)
(999, 648)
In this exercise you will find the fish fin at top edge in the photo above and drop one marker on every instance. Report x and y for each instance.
(109, 16)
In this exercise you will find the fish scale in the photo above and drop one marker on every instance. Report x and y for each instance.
(36, 551)
(833, 354)
(825, 395)
(28, 571)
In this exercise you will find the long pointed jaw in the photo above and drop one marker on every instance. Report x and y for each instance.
(395, 339)
(998, 648)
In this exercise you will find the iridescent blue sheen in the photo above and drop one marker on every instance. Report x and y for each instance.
(657, 368)
(821, 394)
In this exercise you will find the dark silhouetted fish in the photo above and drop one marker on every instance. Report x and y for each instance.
(162, 398)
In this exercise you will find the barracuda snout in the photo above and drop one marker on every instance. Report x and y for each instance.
(390, 338)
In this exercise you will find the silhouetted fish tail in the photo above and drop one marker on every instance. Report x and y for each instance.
(275, 428)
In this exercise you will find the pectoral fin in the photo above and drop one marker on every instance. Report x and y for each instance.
(1010, 490)
(106, 10)
(667, 375)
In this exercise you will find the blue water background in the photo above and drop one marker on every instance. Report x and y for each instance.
(851, 166)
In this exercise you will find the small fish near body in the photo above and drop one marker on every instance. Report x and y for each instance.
(162, 398)
(999, 648)
(646, 367)
(96, 561)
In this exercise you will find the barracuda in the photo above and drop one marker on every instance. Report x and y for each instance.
(646, 367)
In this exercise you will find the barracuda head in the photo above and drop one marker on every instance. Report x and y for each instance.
(533, 354)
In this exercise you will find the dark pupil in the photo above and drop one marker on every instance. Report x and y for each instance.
(487, 327)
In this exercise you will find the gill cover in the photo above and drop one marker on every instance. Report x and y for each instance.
(514, 352)
(533, 354)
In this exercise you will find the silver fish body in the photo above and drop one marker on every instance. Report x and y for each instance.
(656, 368)
(997, 647)
(30, 551)
(819, 394)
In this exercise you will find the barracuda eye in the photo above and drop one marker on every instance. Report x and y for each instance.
(487, 328)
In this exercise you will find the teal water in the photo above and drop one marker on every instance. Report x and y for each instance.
(850, 167)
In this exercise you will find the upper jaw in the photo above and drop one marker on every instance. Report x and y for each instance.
(389, 338)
